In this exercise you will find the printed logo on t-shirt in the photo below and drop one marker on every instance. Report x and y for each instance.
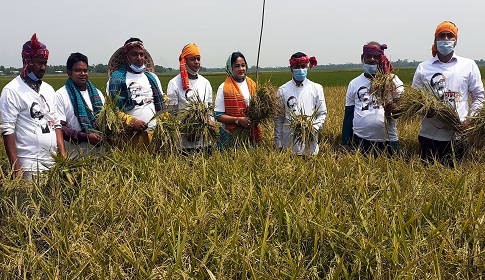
(136, 94)
(292, 103)
(39, 112)
(438, 84)
(190, 95)
(369, 101)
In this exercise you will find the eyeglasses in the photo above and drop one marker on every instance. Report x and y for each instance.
(79, 70)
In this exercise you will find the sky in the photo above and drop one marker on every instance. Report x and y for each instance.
(332, 31)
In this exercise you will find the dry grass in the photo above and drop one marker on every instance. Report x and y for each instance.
(415, 102)
(265, 104)
(384, 88)
(195, 121)
(303, 126)
(248, 213)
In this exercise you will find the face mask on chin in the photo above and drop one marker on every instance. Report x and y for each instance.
(32, 76)
(137, 69)
(445, 47)
(193, 73)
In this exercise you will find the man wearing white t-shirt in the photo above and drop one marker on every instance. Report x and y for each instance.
(78, 103)
(454, 78)
(301, 96)
(367, 124)
(138, 94)
(189, 86)
(30, 125)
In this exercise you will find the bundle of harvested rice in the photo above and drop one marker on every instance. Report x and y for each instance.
(427, 102)
(303, 126)
(384, 88)
(265, 104)
(166, 134)
(109, 121)
(195, 119)
(473, 134)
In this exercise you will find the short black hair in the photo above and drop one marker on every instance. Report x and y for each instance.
(297, 55)
(76, 57)
(235, 56)
(133, 40)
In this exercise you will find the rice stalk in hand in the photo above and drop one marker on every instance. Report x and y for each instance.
(427, 101)
(473, 133)
(196, 122)
(303, 126)
(109, 121)
(166, 134)
(265, 104)
(384, 88)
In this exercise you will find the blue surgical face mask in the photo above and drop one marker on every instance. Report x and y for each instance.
(137, 69)
(32, 76)
(445, 47)
(300, 74)
(370, 68)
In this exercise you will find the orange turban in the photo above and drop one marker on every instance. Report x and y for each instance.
(189, 50)
(445, 26)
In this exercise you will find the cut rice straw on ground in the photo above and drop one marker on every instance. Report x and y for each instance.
(424, 101)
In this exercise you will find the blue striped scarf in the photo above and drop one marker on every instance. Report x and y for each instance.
(86, 117)
(120, 94)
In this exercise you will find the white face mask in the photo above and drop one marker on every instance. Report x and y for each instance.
(445, 47)
(137, 69)
(193, 73)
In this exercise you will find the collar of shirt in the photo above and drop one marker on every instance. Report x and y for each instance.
(35, 85)
(301, 84)
(454, 58)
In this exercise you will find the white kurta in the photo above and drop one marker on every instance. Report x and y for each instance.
(179, 98)
(304, 99)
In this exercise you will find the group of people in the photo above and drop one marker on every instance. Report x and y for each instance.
(37, 121)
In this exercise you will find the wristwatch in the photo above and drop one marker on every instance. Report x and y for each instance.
(237, 121)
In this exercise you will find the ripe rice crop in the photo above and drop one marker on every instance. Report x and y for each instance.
(248, 213)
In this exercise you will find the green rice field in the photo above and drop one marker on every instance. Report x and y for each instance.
(248, 213)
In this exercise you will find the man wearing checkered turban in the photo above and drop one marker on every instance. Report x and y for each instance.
(30, 125)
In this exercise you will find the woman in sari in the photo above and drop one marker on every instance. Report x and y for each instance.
(232, 101)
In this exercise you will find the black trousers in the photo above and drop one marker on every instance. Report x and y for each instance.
(446, 152)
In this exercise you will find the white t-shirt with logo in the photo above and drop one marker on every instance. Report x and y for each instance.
(32, 117)
(454, 81)
(179, 98)
(370, 122)
(66, 113)
(141, 92)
